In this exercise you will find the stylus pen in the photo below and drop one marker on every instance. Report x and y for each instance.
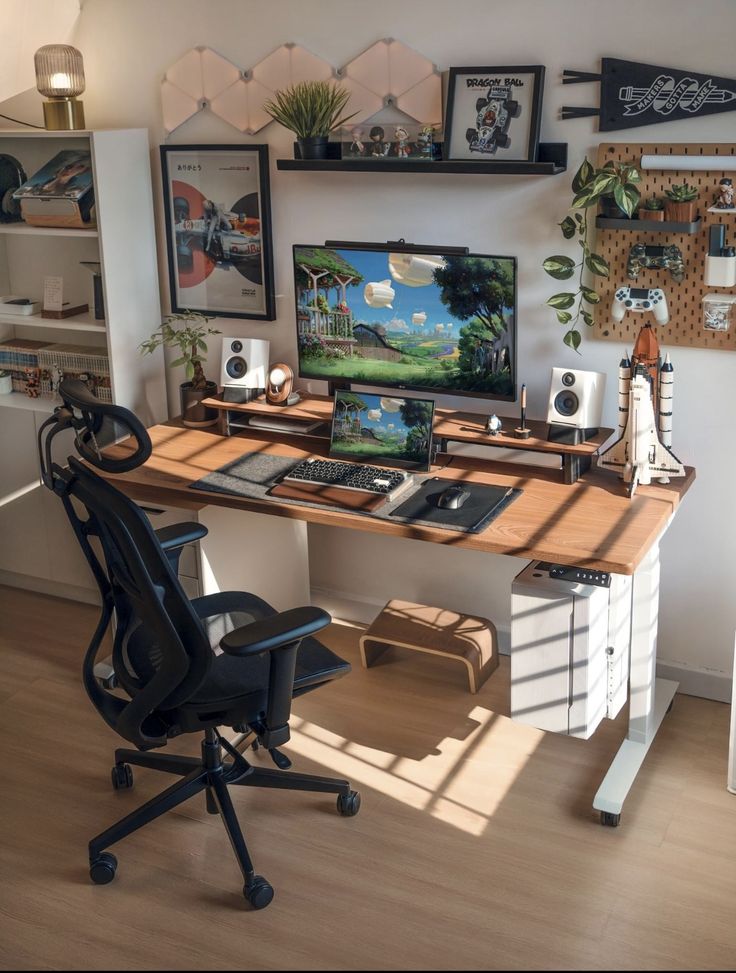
(523, 406)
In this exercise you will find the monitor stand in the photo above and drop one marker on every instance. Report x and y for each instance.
(337, 386)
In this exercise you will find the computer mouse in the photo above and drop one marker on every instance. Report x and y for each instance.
(452, 498)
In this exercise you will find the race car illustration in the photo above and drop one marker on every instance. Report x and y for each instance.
(495, 112)
(224, 236)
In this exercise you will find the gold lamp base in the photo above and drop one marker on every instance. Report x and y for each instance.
(63, 114)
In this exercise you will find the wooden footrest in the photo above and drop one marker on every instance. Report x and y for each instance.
(469, 639)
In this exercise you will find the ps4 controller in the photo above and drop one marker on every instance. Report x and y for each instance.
(645, 255)
(641, 299)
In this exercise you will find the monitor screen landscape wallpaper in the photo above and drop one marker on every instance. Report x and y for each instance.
(438, 322)
(382, 429)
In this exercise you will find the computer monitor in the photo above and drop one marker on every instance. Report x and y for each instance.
(382, 429)
(401, 319)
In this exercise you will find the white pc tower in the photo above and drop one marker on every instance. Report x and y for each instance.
(570, 643)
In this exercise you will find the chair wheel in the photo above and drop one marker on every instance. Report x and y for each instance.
(258, 892)
(348, 804)
(102, 869)
(122, 777)
(610, 820)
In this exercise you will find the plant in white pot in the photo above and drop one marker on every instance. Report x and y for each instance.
(311, 110)
(186, 332)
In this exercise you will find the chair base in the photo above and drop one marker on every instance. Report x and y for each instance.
(214, 776)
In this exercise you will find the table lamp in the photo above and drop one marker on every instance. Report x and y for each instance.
(60, 78)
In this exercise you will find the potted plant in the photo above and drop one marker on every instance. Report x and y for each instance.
(590, 186)
(310, 109)
(615, 185)
(654, 209)
(680, 204)
(187, 332)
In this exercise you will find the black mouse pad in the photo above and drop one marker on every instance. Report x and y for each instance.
(483, 505)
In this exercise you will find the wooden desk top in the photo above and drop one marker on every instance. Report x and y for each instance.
(590, 523)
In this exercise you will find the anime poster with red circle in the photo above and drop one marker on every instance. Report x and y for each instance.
(218, 230)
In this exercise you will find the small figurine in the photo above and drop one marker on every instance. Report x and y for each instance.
(425, 141)
(403, 148)
(724, 199)
(33, 383)
(357, 146)
(57, 377)
(380, 148)
(493, 426)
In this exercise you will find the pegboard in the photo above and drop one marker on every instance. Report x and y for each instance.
(683, 299)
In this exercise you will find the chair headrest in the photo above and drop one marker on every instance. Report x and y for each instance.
(98, 425)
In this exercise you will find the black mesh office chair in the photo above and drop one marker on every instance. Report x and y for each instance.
(181, 666)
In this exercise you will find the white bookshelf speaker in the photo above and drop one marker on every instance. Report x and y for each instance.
(576, 398)
(244, 368)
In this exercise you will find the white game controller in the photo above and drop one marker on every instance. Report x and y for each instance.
(640, 299)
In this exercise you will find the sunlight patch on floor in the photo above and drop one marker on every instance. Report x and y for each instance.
(461, 783)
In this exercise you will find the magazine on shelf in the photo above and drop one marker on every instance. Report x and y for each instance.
(61, 192)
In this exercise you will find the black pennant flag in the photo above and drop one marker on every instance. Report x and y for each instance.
(634, 94)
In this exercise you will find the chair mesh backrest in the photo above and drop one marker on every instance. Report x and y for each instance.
(157, 630)
(156, 625)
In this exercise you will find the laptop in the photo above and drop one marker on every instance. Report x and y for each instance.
(376, 443)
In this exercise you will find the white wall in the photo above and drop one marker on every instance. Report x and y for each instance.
(127, 44)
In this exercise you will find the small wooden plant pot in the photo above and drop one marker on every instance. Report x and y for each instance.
(656, 215)
(679, 212)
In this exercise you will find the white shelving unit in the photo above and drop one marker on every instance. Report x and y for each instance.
(22, 229)
(37, 548)
(80, 322)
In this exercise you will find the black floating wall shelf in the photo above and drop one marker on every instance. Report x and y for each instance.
(552, 160)
(647, 226)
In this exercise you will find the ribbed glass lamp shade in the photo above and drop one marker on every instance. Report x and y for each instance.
(59, 71)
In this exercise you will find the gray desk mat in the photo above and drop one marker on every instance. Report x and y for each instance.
(253, 475)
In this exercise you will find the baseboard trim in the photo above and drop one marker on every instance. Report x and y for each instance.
(357, 609)
(707, 683)
(44, 586)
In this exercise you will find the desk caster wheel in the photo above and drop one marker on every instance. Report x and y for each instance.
(102, 869)
(609, 820)
(348, 804)
(258, 892)
(122, 777)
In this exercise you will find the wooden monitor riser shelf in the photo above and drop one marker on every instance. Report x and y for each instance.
(451, 426)
(590, 523)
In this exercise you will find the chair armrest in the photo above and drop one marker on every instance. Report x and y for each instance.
(285, 628)
(177, 535)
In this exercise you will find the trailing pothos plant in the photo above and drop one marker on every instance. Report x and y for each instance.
(614, 181)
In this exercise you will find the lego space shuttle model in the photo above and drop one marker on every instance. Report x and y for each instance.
(643, 449)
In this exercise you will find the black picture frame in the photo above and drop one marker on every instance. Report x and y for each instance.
(218, 230)
(493, 142)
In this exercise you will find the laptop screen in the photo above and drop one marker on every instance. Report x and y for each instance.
(383, 429)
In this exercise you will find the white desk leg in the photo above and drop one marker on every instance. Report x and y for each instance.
(649, 697)
(259, 553)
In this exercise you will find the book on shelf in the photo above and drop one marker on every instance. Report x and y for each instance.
(61, 193)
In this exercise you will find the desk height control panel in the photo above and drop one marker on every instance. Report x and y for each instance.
(580, 575)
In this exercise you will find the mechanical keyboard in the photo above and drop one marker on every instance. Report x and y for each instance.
(351, 476)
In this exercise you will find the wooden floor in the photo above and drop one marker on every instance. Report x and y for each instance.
(476, 846)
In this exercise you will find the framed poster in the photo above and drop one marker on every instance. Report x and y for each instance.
(218, 230)
(494, 113)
